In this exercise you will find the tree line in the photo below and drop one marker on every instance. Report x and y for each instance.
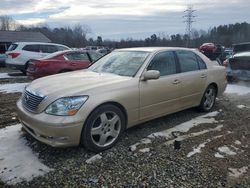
(76, 36)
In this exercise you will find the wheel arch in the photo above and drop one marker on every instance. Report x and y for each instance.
(117, 104)
(215, 86)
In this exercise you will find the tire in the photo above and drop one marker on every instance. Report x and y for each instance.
(24, 71)
(103, 128)
(208, 99)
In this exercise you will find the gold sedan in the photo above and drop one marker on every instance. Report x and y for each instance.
(124, 88)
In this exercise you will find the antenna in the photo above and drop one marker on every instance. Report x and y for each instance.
(189, 20)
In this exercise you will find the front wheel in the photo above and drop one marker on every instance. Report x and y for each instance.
(103, 128)
(208, 99)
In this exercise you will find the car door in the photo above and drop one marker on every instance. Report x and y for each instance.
(192, 78)
(77, 60)
(31, 51)
(159, 97)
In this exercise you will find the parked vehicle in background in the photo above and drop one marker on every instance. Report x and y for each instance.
(19, 54)
(92, 47)
(60, 62)
(238, 66)
(103, 51)
(126, 87)
(211, 50)
(226, 54)
(241, 47)
(3, 48)
(2, 60)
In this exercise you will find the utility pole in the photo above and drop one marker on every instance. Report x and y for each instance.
(189, 19)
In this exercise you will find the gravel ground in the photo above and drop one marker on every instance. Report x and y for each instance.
(155, 164)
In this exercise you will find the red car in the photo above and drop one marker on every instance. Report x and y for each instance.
(59, 62)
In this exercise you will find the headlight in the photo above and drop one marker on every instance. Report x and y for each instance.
(66, 106)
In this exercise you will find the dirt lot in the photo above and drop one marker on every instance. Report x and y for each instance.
(214, 149)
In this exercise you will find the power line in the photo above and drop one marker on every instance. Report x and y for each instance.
(189, 19)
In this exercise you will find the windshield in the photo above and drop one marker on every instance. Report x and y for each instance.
(123, 63)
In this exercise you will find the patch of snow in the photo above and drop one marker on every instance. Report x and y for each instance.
(93, 159)
(236, 173)
(186, 126)
(146, 141)
(241, 106)
(202, 145)
(11, 75)
(4, 75)
(142, 141)
(197, 149)
(17, 161)
(144, 150)
(134, 146)
(237, 89)
(183, 127)
(237, 142)
(218, 155)
(12, 88)
(226, 150)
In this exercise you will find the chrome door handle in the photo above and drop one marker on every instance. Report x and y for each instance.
(203, 76)
(176, 81)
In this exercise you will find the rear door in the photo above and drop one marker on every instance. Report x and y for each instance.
(159, 97)
(31, 51)
(77, 60)
(193, 76)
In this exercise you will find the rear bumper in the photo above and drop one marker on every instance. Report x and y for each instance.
(56, 131)
(13, 66)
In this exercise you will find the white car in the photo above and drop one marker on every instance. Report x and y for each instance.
(19, 53)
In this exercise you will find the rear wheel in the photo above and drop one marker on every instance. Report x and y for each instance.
(208, 99)
(103, 128)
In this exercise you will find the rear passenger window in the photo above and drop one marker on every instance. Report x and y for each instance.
(164, 62)
(48, 48)
(32, 48)
(202, 64)
(187, 60)
(77, 56)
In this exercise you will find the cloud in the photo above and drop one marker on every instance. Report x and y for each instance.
(126, 18)
(31, 21)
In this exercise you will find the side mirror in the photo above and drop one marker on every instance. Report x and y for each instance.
(151, 75)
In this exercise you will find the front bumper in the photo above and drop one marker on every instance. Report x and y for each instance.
(56, 131)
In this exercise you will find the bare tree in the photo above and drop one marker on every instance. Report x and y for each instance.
(7, 23)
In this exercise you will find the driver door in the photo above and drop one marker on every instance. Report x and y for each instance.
(161, 96)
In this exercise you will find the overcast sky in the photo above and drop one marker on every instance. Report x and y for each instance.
(116, 19)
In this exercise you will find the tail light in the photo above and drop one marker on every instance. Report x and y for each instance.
(225, 63)
(40, 64)
(13, 55)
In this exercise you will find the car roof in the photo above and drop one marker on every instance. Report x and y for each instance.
(243, 43)
(154, 49)
(242, 54)
(25, 43)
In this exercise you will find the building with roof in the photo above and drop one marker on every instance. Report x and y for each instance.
(8, 37)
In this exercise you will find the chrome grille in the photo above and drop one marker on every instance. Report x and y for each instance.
(31, 101)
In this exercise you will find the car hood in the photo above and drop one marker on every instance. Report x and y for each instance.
(73, 83)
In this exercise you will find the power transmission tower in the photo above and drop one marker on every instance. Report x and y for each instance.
(189, 20)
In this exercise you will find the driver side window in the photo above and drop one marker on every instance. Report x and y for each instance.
(164, 62)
